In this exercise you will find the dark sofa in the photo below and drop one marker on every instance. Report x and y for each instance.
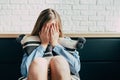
(100, 59)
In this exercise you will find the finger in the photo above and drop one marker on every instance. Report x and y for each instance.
(52, 30)
(57, 28)
(46, 28)
(47, 31)
(43, 29)
(41, 32)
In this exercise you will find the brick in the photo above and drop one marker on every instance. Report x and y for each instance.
(36, 2)
(105, 13)
(96, 29)
(5, 18)
(71, 23)
(110, 29)
(81, 7)
(35, 7)
(18, 1)
(88, 13)
(83, 29)
(5, 12)
(116, 2)
(4, 1)
(63, 7)
(104, 2)
(20, 12)
(72, 12)
(116, 13)
(100, 23)
(111, 18)
(48, 6)
(5, 22)
(96, 7)
(7, 29)
(16, 22)
(80, 18)
(112, 8)
(110, 23)
(73, 2)
(96, 18)
(10, 7)
(29, 24)
(117, 26)
(28, 18)
(27, 29)
(53, 1)
(60, 12)
(93, 2)
(17, 29)
(88, 23)
(5, 6)
(67, 28)
(1, 29)
(65, 17)
(26, 7)
(34, 13)
(0, 7)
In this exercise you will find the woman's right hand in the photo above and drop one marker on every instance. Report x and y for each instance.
(44, 36)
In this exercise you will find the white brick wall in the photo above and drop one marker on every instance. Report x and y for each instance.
(78, 16)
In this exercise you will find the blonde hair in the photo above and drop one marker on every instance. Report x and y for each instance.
(44, 17)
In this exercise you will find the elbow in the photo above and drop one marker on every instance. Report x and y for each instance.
(77, 67)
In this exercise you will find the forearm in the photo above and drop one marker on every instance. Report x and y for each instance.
(40, 50)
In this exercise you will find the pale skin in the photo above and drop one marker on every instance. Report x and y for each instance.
(39, 67)
(49, 34)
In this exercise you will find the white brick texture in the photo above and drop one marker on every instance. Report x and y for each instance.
(78, 16)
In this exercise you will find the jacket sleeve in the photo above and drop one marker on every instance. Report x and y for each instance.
(72, 58)
(26, 61)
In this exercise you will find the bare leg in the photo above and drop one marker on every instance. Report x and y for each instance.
(38, 69)
(59, 68)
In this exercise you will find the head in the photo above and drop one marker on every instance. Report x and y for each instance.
(47, 16)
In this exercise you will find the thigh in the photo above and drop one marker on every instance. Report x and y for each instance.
(59, 68)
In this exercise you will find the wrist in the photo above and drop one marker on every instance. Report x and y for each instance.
(44, 45)
(55, 44)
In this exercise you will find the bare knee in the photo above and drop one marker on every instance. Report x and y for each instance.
(39, 61)
(59, 60)
(59, 63)
(38, 69)
(60, 68)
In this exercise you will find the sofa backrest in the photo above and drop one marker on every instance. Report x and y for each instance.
(100, 59)
(10, 59)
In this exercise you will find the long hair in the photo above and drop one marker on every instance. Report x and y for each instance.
(44, 17)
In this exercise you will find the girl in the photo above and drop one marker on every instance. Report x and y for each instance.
(63, 65)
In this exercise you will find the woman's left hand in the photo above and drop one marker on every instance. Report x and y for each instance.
(54, 35)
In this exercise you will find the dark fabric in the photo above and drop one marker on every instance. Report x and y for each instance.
(100, 59)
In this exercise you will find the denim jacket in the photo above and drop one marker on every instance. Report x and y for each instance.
(72, 58)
